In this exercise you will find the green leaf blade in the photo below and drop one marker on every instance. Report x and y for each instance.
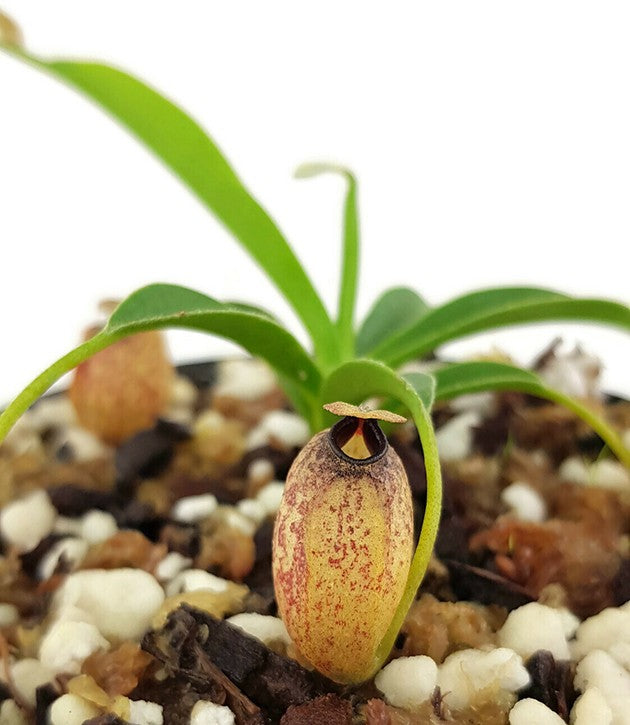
(494, 308)
(395, 310)
(182, 145)
(159, 306)
(162, 306)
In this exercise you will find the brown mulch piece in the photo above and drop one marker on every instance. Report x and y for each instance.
(106, 719)
(226, 551)
(551, 682)
(621, 584)
(492, 434)
(280, 459)
(45, 695)
(327, 709)
(182, 538)
(249, 677)
(178, 695)
(125, 549)
(117, 671)
(140, 516)
(583, 560)
(147, 453)
(551, 427)
(377, 712)
(30, 560)
(473, 584)
(201, 374)
(259, 579)
(410, 453)
(71, 500)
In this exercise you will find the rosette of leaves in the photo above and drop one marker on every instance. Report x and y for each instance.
(347, 361)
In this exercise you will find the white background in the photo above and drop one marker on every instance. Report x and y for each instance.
(491, 141)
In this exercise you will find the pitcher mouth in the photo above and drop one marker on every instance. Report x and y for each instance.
(357, 434)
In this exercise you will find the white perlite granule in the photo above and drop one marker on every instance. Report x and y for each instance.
(68, 643)
(11, 714)
(191, 580)
(171, 565)
(598, 669)
(525, 502)
(97, 526)
(287, 428)
(194, 508)
(591, 708)
(71, 710)
(122, 602)
(604, 473)
(264, 627)
(606, 631)
(244, 379)
(9, 614)
(25, 522)
(142, 712)
(408, 681)
(84, 446)
(253, 509)
(270, 496)
(533, 627)
(454, 438)
(72, 550)
(464, 674)
(533, 712)
(28, 674)
(209, 713)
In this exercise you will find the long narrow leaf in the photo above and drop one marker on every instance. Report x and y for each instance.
(182, 145)
(492, 308)
(165, 305)
(394, 311)
(474, 377)
(361, 379)
(160, 306)
(350, 253)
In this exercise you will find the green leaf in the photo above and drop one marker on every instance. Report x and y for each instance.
(395, 310)
(474, 377)
(182, 145)
(360, 379)
(350, 254)
(161, 305)
(354, 382)
(424, 385)
(246, 307)
(492, 308)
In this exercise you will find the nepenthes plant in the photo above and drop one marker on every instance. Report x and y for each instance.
(347, 361)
